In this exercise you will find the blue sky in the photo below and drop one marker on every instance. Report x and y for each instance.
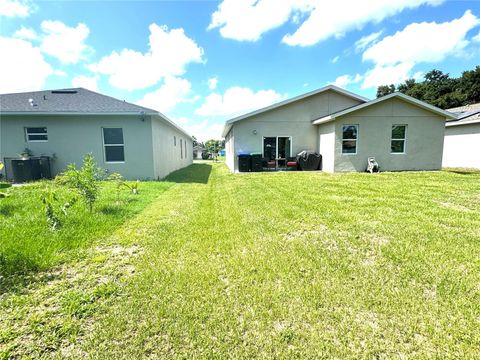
(202, 62)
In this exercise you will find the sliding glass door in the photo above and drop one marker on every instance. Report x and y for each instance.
(278, 147)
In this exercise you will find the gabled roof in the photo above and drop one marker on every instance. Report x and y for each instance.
(468, 114)
(399, 95)
(228, 123)
(73, 101)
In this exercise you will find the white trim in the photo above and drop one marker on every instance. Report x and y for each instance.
(42, 134)
(402, 96)
(356, 140)
(108, 145)
(461, 122)
(228, 123)
(404, 140)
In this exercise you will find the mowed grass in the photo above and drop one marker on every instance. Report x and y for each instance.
(282, 265)
(27, 245)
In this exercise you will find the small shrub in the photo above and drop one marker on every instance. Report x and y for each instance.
(4, 186)
(84, 181)
(55, 209)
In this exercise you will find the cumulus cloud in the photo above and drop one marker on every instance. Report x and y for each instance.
(170, 51)
(63, 42)
(318, 19)
(22, 66)
(345, 80)
(26, 33)
(87, 82)
(173, 91)
(212, 83)
(427, 42)
(15, 8)
(476, 38)
(335, 59)
(236, 101)
(366, 40)
(203, 130)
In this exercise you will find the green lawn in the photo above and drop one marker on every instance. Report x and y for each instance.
(265, 265)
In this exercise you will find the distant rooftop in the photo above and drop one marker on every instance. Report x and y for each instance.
(75, 100)
(469, 114)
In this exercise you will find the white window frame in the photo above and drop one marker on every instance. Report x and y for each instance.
(276, 145)
(32, 127)
(105, 145)
(404, 140)
(356, 140)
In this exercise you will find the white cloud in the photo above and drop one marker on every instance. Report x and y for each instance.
(396, 55)
(476, 38)
(247, 20)
(15, 8)
(166, 97)
(335, 59)
(22, 66)
(236, 101)
(390, 74)
(26, 33)
(60, 73)
(87, 82)
(212, 83)
(170, 51)
(318, 19)
(202, 130)
(423, 42)
(366, 40)
(345, 80)
(65, 43)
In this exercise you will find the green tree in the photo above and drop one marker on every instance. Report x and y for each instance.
(383, 90)
(469, 86)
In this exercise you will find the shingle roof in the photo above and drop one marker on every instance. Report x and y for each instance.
(75, 100)
(469, 114)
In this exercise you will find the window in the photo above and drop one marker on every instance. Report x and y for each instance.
(113, 144)
(181, 149)
(36, 134)
(349, 139)
(277, 147)
(185, 149)
(399, 137)
(174, 141)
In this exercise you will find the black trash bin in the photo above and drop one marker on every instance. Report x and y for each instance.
(244, 163)
(256, 162)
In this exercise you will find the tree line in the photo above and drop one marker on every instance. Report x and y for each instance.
(439, 89)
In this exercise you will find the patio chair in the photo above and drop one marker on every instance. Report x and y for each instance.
(292, 163)
(372, 165)
(269, 164)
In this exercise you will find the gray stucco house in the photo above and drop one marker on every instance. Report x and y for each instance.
(462, 138)
(138, 142)
(401, 132)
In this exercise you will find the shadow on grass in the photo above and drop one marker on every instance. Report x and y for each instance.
(7, 209)
(195, 173)
(463, 171)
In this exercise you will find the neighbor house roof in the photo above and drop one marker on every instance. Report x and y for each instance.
(74, 101)
(469, 114)
(398, 95)
(228, 124)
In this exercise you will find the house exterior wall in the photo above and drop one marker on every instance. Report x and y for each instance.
(424, 143)
(168, 156)
(462, 146)
(229, 152)
(71, 137)
(294, 119)
(326, 135)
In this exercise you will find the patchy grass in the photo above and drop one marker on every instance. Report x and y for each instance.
(270, 265)
(27, 245)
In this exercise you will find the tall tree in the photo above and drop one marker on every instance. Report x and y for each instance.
(469, 85)
(383, 90)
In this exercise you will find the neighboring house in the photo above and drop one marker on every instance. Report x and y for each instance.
(197, 152)
(66, 124)
(462, 138)
(401, 132)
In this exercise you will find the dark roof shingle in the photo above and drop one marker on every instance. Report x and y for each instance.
(75, 100)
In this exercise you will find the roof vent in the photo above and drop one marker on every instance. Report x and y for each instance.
(32, 102)
(64, 91)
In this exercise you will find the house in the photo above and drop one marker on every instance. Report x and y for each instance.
(197, 152)
(462, 138)
(135, 141)
(401, 132)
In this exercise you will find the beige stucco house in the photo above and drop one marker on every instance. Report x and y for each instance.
(462, 138)
(138, 142)
(401, 132)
